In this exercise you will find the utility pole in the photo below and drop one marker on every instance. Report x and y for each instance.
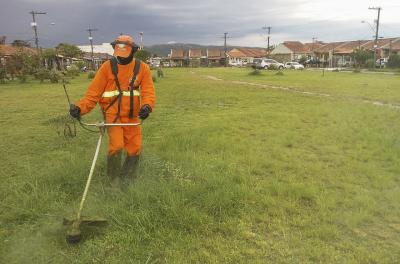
(225, 49)
(268, 35)
(34, 26)
(141, 40)
(376, 30)
(90, 30)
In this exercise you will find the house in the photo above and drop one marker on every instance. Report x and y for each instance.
(7, 52)
(215, 57)
(177, 58)
(194, 56)
(243, 56)
(98, 59)
(393, 47)
(102, 48)
(290, 51)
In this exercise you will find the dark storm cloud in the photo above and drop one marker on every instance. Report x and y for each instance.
(200, 22)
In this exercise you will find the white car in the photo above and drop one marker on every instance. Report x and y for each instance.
(266, 63)
(294, 65)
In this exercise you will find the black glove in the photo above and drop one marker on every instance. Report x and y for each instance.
(144, 111)
(75, 111)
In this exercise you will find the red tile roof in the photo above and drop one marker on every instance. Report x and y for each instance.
(247, 52)
(313, 46)
(381, 42)
(215, 53)
(194, 53)
(9, 50)
(177, 54)
(296, 46)
(350, 46)
(329, 47)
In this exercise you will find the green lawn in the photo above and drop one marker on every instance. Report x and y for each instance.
(231, 173)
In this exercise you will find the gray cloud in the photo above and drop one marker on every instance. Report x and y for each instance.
(200, 22)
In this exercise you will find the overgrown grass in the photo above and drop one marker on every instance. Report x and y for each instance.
(230, 174)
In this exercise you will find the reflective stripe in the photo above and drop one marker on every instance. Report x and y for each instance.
(116, 93)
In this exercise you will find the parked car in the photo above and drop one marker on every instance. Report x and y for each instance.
(236, 64)
(266, 63)
(294, 65)
(381, 63)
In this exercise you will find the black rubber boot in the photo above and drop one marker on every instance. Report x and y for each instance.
(129, 169)
(114, 169)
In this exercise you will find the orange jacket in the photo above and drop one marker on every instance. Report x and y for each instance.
(103, 90)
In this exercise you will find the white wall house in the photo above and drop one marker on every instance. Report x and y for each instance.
(103, 48)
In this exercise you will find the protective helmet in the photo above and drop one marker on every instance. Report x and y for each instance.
(123, 45)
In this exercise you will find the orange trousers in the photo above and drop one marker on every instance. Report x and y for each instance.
(125, 137)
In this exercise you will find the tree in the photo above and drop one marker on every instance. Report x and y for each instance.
(362, 56)
(68, 50)
(394, 61)
(303, 60)
(20, 43)
(142, 55)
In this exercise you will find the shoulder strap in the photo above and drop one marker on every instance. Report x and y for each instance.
(136, 70)
(132, 87)
(114, 69)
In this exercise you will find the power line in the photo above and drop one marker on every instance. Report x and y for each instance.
(34, 26)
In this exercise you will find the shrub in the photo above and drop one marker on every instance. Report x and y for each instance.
(280, 73)
(3, 74)
(72, 71)
(255, 72)
(273, 67)
(91, 74)
(370, 64)
(79, 64)
(55, 76)
(160, 73)
(22, 77)
(394, 61)
(154, 77)
(42, 74)
(336, 70)
(356, 70)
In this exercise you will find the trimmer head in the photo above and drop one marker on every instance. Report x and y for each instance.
(74, 234)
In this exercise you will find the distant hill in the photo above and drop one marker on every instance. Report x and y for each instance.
(164, 49)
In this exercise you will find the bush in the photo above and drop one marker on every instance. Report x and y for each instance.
(279, 73)
(394, 61)
(255, 72)
(91, 74)
(3, 74)
(356, 70)
(160, 73)
(22, 77)
(273, 67)
(72, 71)
(42, 74)
(154, 77)
(370, 63)
(79, 64)
(55, 76)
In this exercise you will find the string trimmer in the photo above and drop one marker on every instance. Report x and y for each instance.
(74, 234)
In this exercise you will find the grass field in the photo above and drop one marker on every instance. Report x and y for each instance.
(231, 173)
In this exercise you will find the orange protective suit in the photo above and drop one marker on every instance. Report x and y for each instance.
(103, 90)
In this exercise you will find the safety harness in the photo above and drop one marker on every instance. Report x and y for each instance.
(133, 90)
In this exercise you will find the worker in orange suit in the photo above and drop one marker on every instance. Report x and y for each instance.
(124, 88)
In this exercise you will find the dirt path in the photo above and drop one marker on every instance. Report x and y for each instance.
(296, 90)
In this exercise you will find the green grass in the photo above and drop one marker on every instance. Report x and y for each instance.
(230, 173)
(371, 86)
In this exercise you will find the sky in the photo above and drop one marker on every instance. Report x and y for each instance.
(199, 22)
